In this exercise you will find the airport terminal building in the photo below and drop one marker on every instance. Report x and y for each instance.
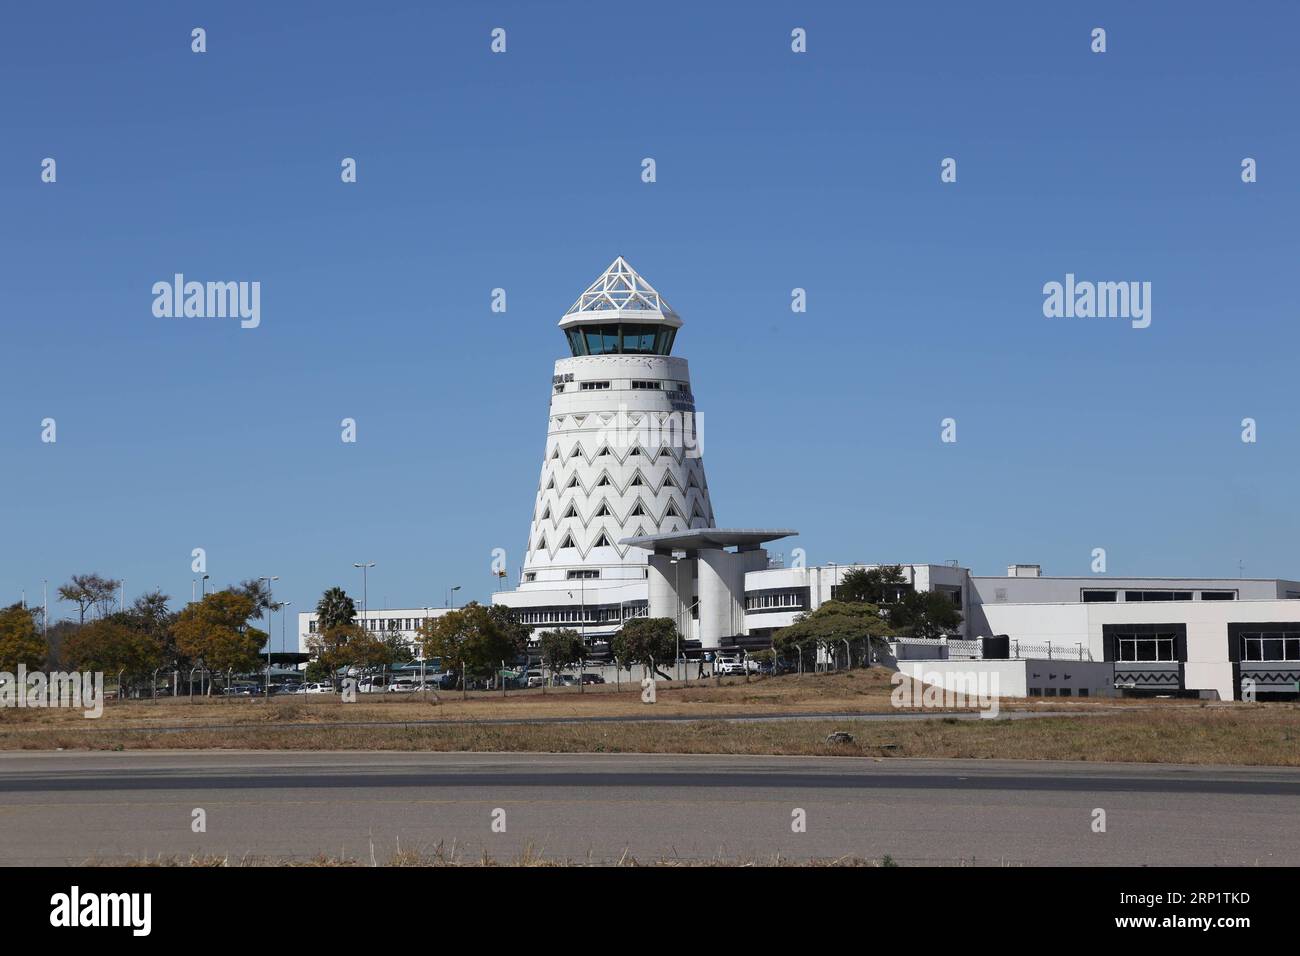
(623, 526)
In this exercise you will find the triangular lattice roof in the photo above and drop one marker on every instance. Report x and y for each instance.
(620, 287)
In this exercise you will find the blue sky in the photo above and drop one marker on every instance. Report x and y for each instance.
(522, 171)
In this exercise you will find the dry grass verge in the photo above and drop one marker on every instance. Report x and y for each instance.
(1261, 734)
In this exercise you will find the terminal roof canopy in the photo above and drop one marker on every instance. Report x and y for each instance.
(709, 538)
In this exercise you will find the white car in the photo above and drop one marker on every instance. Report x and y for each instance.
(729, 665)
(403, 685)
(318, 689)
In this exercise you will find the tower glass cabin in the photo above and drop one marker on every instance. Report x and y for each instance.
(623, 455)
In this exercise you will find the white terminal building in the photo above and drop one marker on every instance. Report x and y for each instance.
(623, 526)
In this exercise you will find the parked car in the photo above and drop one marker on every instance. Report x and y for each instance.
(729, 665)
(566, 680)
(592, 679)
(403, 685)
(535, 678)
(319, 689)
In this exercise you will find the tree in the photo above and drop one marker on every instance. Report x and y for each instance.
(927, 614)
(912, 613)
(89, 591)
(334, 609)
(216, 631)
(475, 639)
(19, 641)
(562, 648)
(111, 646)
(347, 645)
(882, 586)
(397, 649)
(259, 592)
(648, 641)
(150, 615)
(833, 621)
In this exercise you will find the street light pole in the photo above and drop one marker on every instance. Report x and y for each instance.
(365, 567)
(450, 592)
(269, 608)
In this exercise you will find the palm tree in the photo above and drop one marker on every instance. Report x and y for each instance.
(334, 609)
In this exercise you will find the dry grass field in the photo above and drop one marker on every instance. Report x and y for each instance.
(1168, 731)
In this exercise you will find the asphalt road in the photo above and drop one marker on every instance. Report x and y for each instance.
(73, 808)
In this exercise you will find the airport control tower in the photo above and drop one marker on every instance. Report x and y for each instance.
(623, 442)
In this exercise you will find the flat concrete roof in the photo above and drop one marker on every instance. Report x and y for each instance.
(709, 538)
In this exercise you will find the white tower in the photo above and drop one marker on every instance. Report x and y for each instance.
(623, 445)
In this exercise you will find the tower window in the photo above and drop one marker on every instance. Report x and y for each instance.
(628, 338)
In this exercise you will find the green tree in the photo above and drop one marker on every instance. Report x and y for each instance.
(216, 631)
(912, 613)
(90, 592)
(329, 648)
(474, 639)
(334, 609)
(19, 641)
(259, 592)
(113, 645)
(882, 586)
(648, 641)
(562, 648)
(928, 614)
(833, 621)
(397, 649)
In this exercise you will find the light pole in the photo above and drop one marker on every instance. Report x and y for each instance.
(677, 590)
(203, 586)
(365, 567)
(450, 592)
(283, 646)
(269, 608)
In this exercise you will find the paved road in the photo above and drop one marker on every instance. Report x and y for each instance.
(71, 808)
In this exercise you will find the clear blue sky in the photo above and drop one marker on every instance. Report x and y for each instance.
(522, 171)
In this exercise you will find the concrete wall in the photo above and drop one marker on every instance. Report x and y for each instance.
(1209, 660)
(1015, 678)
